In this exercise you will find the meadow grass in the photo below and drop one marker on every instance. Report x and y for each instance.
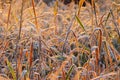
(59, 42)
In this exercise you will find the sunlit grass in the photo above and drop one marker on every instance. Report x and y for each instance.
(59, 42)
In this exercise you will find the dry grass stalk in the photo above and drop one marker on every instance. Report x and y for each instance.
(36, 23)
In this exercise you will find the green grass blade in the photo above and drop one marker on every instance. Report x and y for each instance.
(11, 70)
(69, 72)
(79, 21)
(107, 18)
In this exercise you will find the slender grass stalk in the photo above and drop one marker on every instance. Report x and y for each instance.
(100, 38)
(63, 75)
(36, 23)
(6, 30)
(39, 33)
(97, 60)
(19, 61)
(108, 54)
(31, 55)
(94, 11)
(30, 60)
(8, 18)
(18, 39)
(92, 16)
(67, 34)
(55, 15)
(108, 16)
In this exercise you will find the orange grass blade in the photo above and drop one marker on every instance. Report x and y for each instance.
(19, 62)
(36, 23)
(100, 38)
(80, 5)
(31, 55)
(63, 75)
(56, 8)
(55, 17)
(9, 15)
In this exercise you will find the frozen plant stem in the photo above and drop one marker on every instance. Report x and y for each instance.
(38, 32)
(18, 38)
(67, 34)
